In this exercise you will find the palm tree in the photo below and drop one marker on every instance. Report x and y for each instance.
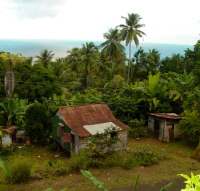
(74, 60)
(45, 57)
(131, 32)
(112, 47)
(89, 59)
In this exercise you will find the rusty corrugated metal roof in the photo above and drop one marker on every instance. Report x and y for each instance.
(170, 116)
(78, 116)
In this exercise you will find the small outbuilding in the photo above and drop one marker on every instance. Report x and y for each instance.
(74, 125)
(164, 126)
(7, 136)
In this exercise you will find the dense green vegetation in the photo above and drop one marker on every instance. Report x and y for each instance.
(132, 86)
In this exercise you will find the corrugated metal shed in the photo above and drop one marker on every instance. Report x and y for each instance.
(77, 117)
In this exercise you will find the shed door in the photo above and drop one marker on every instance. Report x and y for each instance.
(72, 142)
(171, 132)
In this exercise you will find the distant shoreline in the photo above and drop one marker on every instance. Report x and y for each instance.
(60, 47)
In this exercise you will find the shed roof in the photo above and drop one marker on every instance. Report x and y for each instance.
(169, 116)
(79, 116)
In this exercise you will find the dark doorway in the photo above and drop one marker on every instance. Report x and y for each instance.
(73, 143)
(171, 132)
(156, 128)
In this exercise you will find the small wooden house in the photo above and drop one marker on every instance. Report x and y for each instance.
(74, 125)
(164, 126)
(8, 136)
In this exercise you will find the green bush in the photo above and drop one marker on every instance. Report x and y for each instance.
(19, 171)
(190, 125)
(137, 128)
(79, 161)
(128, 163)
(56, 167)
(112, 160)
(37, 127)
(146, 156)
(84, 161)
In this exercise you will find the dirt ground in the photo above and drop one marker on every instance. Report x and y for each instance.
(173, 185)
(151, 178)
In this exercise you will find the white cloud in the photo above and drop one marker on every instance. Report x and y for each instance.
(37, 8)
(172, 21)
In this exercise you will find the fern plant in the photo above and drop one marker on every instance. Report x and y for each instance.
(192, 182)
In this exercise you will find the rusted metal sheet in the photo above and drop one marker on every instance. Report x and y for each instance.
(77, 117)
(170, 116)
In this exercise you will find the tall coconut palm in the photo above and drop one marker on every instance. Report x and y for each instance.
(74, 60)
(131, 32)
(112, 47)
(89, 59)
(45, 57)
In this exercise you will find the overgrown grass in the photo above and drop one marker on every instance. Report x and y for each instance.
(174, 159)
(16, 171)
(142, 156)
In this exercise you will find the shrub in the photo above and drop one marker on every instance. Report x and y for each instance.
(137, 128)
(36, 118)
(112, 160)
(79, 161)
(19, 171)
(128, 163)
(190, 125)
(146, 156)
(56, 167)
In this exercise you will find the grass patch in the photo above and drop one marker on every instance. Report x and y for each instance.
(16, 171)
(176, 160)
(142, 156)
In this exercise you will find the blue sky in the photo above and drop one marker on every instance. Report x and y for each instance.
(167, 21)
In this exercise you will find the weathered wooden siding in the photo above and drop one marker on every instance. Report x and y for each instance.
(123, 139)
(122, 143)
(151, 123)
(162, 130)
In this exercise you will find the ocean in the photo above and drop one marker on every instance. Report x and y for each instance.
(61, 47)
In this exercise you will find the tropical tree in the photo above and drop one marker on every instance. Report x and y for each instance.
(131, 32)
(89, 58)
(13, 111)
(40, 83)
(175, 63)
(45, 57)
(153, 61)
(74, 60)
(112, 47)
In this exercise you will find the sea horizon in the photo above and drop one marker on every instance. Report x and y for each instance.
(33, 47)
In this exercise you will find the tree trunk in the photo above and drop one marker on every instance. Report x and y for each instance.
(112, 68)
(129, 63)
(86, 76)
